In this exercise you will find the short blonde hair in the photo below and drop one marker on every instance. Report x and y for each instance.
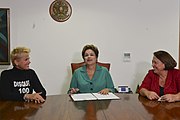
(16, 53)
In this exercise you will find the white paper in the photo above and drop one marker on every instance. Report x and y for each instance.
(83, 96)
(105, 97)
(160, 99)
(93, 96)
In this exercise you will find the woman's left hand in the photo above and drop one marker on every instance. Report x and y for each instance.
(104, 91)
(36, 97)
(169, 97)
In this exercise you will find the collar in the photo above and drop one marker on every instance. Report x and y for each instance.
(98, 68)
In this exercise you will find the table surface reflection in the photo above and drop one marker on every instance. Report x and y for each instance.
(61, 107)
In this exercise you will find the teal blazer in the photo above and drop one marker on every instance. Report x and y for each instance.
(101, 79)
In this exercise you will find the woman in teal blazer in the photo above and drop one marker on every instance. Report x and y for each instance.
(91, 78)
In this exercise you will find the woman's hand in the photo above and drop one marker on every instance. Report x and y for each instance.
(104, 91)
(170, 97)
(36, 97)
(73, 90)
(152, 95)
(149, 94)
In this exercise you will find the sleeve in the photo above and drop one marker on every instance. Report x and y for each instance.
(37, 86)
(178, 81)
(146, 82)
(6, 87)
(73, 83)
(109, 84)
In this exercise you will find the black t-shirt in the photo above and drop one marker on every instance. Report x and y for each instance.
(14, 83)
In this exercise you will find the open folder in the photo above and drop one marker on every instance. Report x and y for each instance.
(93, 96)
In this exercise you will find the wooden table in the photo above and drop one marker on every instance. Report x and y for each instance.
(61, 107)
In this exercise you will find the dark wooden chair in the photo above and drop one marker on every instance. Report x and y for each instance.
(137, 89)
(74, 66)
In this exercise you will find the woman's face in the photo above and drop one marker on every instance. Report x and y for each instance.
(90, 57)
(157, 65)
(23, 62)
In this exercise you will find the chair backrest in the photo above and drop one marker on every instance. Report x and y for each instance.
(74, 66)
(137, 89)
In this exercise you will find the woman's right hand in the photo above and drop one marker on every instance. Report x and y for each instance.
(152, 95)
(73, 90)
(149, 94)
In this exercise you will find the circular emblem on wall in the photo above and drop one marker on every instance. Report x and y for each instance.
(60, 10)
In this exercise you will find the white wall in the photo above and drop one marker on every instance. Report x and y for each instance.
(114, 26)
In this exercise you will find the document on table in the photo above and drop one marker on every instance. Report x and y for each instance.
(83, 96)
(105, 97)
(93, 96)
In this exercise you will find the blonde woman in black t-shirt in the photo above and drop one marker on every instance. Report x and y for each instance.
(19, 82)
